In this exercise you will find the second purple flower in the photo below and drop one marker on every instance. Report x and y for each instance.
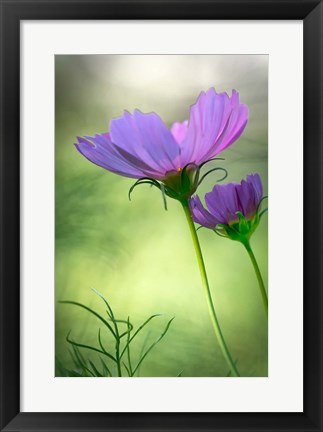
(234, 212)
(232, 209)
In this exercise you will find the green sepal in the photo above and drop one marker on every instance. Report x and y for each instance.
(152, 182)
(162, 190)
(143, 180)
(210, 160)
(244, 227)
(212, 170)
(241, 230)
(262, 212)
(260, 202)
(188, 179)
(182, 185)
(227, 231)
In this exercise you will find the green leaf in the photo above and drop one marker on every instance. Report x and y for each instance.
(111, 315)
(92, 312)
(62, 370)
(84, 368)
(128, 349)
(75, 361)
(75, 374)
(89, 347)
(102, 347)
(80, 359)
(127, 369)
(153, 345)
(106, 370)
(138, 331)
(143, 349)
(229, 373)
(130, 328)
(97, 373)
(87, 370)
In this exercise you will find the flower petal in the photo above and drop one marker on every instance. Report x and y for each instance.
(246, 198)
(201, 215)
(100, 150)
(221, 202)
(215, 122)
(225, 200)
(255, 180)
(179, 131)
(235, 126)
(249, 194)
(147, 138)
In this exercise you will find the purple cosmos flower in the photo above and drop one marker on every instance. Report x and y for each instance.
(233, 208)
(141, 146)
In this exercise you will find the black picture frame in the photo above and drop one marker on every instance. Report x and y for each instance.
(12, 12)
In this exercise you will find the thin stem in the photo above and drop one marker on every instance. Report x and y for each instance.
(117, 347)
(118, 355)
(205, 283)
(258, 274)
(128, 349)
(118, 361)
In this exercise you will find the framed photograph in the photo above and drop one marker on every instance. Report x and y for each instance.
(161, 215)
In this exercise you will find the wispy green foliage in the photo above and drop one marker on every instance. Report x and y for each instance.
(115, 360)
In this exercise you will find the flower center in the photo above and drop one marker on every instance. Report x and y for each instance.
(179, 170)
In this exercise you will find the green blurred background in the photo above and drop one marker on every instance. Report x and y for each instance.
(139, 256)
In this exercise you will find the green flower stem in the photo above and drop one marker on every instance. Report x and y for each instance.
(258, 274)
(205, 283)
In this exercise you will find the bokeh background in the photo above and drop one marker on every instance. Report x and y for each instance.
(139, 256)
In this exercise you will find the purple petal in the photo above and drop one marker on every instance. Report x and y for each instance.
(140, 144)
(222, 202)
(235, 125)
(201, 215)
(246, 196)
(255, 180)
(215, 122)
(179, 131)
(225, 200)
(146, 138)
(207, 118)
(100, 150)
(250, 193)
